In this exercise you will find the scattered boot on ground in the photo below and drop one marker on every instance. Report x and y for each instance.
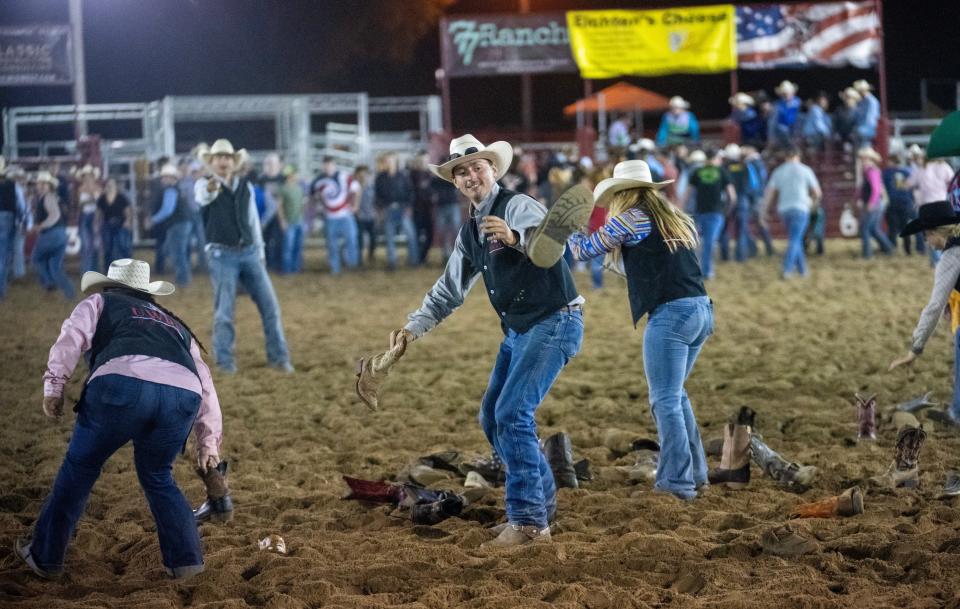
(917, 404)
(904, 472)
(516, 535)
(559, 453)
(951, 488)
(645, 467)
(791, 476)
(734, 470)
(867, 417)
(784, 541)
(849, 503)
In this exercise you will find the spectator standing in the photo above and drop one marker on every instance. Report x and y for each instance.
(618, 135)
(872, 199)
(424, 203)
(449, 215)
(17, 265)
(274, 239)
(708, 185)
(740, 217)
(786, 112)
(11, 208)
(796, 190)
(395, 200)
(290, 219)
(115, 217)
(88, 191)
(51, 246)
(678, 125)
(174, 216)
(901, 208)
(332, 190)
(365, 204)
(868, 114)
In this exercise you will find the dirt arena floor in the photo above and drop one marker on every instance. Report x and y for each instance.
(794, 351)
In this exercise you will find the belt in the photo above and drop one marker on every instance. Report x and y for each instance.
(570, 308)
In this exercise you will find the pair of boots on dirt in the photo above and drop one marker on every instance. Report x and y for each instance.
(741, 445)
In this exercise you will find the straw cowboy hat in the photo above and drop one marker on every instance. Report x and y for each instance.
(169, 170)
(46, 177)
(128, 273)
(786, 88)
(467, 148)
(862, 86)
(869, 153)
(626, 175)
(851, 93)
(86, 170)
(678, 102)
(731, 151)
(223, 146)
(199, 149)
(742, 98)
(645, 145)
(697, 156)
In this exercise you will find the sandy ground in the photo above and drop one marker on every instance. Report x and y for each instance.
(795, 352)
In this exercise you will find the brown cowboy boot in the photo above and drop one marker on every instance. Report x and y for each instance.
(734, 470)
(517, 535)
(904, 472)
(219, 506)
(849, 503)
(867, 417)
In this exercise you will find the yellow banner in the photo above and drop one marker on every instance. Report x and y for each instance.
(607, 44)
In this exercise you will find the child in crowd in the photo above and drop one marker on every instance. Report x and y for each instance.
(655, 243)
(147, 383)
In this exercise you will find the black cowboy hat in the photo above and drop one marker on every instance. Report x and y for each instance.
(931, 215)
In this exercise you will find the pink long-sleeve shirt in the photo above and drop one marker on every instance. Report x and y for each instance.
(76, 337)
(875, 179)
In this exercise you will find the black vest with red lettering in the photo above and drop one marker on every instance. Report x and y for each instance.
(521, 292)
(132, 326)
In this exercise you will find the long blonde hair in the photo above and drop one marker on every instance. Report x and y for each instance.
(677, 228)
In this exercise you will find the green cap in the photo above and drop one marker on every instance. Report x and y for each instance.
(945, 139)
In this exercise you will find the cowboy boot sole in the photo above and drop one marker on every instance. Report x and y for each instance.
(569, 213)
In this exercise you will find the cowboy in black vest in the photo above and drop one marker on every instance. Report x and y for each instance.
(235, 253)
(540, 316)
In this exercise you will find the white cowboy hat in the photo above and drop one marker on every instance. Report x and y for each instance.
(678, 102)
(742, 98)
(869, 153)
(851, 93)
(785, 86)
(223, 146)
(129, 273)
(915, 150)
(626, 175)
(467, 148)
(169, 170)
(14, 171)
(697, 156)
(47, 177)
(199, 149)
(86, 170)
(731, 151)
(645, 144)
(862, 86)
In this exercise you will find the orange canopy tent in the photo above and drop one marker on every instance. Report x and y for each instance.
(621, 97)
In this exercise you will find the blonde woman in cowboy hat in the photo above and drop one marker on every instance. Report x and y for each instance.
(655, 245)
(235, 255)
(88, 190)
(50, 224)
(678, 125)
(873, 198)
(540, 316)
(147, 383)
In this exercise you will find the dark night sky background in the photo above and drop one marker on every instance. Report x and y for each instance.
(141, 50)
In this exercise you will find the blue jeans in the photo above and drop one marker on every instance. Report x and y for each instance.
(710, 226)
(113, 411)
(227, 267)
(89, 253)
(449, 219)
(526, 367)
(198, 239)
(794, 258)
(293, 248)
(396, 221)
(19, 264)
(744, 239)
(117, 243)
(870, 227)
(177, 244)
(160, 251)
(7, 237)
(48, 253)
(596, 272)
(672, 340)
(344, 229)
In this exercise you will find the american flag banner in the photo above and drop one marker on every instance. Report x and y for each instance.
(800, 35)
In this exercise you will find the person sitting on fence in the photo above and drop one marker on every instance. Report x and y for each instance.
(679, 125)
